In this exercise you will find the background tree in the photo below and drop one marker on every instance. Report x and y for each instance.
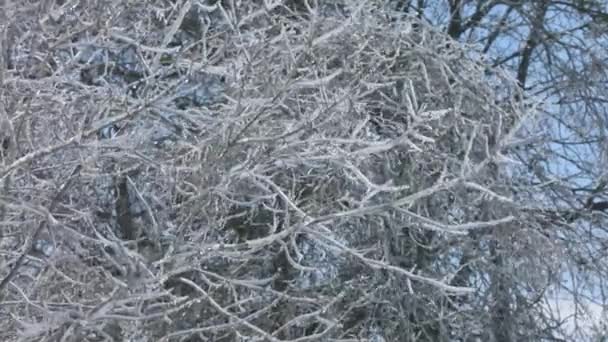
(555, 49)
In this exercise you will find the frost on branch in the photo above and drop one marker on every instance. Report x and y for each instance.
(265, 172)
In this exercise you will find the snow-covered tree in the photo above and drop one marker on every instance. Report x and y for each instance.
(263, 171)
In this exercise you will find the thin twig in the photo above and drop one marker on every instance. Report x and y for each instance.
(41, 226)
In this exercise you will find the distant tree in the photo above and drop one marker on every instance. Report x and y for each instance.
(556, 51)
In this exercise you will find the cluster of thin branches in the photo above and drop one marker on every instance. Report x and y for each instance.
(339, 161)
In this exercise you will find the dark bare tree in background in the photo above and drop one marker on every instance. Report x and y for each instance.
(557, 52)
(292, 171)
